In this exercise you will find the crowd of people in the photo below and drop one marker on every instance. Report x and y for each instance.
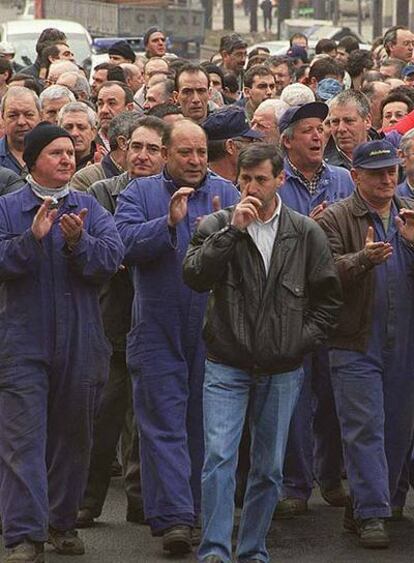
(206, 272)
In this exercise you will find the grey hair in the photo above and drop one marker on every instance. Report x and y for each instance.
(279, 107)
(121, 125)
(81, 83)
(406, 141)
(355, 97)
(56, 93)
(18, 92)
(287, 134)
(73, 107)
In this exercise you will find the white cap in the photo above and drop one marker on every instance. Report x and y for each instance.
(7, 48)
(297, 94)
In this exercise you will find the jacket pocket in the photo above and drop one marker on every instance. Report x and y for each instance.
(294, 338)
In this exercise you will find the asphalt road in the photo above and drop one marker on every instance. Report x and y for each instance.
(314, 538)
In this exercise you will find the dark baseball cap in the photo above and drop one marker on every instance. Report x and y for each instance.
(229, 123)
(375, 154)
(296, 113)
(407, 70)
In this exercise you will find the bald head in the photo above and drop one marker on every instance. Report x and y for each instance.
(185, 151)
(58, 68)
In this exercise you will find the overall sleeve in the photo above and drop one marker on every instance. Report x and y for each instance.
(144, 239)
(20, 255)
(99, 252)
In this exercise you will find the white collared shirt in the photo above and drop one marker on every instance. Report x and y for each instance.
(264, 234)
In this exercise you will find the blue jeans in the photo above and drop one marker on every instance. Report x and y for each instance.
(228, 394)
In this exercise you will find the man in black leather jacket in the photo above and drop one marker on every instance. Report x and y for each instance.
(274, 297)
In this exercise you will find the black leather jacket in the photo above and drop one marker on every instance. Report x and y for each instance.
(262, 324)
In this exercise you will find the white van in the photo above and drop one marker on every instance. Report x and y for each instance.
(23, 35)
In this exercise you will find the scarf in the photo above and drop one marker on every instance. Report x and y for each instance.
(41, 192)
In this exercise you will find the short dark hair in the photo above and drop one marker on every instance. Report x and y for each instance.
(324, 67)
(116, 74)
(230, 82)
(257, 51)
(216, 150)
(325, 46)
(5, 66)
(129, 95)
(165, 109)
(211, 68)
(28, 82)
(151, 122)
(256, 153)
(396, 97)
(49, 36)
(230, 43)
(257, 70)
(359, 61)
(105, 66)
(348, 43)
(297, 35)
(404, 90)
(277, 60)
(257, 60)
(191, 68)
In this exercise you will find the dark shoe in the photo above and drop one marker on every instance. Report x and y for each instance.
(334, 497)
(26, 552)
(397, 514)
(85, 518)
(67, 542)
(135, 515)
(212, 559)
(177, 540)
(290, 508)
(372, 533)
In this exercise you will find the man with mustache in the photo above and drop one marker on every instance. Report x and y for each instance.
(20, 110)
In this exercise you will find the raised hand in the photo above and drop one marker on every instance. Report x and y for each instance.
(246, 212)
(43, 220)
(376, 252)
(72, 226)
(317, 211)
(405, 224)
(178, 206)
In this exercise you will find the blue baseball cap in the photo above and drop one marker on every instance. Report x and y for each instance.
(296, 113)
(375, 154)
(407, 70)
(229, 123)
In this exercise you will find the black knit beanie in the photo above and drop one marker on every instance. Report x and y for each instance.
(38, 138)
(122, 49)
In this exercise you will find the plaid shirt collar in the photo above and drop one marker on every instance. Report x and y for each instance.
(311, 185)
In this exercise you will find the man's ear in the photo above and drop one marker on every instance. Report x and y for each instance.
(164, 153)
(230, 147)
(280, 178)
(175, 97)
(129, 107)
(355, 176)
(246, 91)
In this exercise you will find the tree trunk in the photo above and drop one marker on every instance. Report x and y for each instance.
(402, 12)
(253, 16)
(377, 19)
(228, 14)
